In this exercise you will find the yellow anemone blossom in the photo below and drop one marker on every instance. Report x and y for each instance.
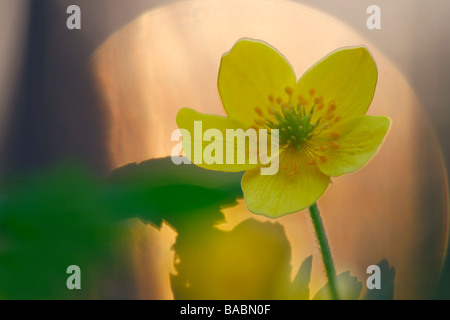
(323, 129)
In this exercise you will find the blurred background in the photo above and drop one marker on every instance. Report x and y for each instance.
(65, 94)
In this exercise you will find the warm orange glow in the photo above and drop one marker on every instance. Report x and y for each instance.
(169, 58)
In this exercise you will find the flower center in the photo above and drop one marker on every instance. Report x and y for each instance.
(298, 121)
(294, 125)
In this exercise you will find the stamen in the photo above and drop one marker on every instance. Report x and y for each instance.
(332, 106)
(323, 148)
(323, 158)
(259, 111)
(330, 116)
(286, 166)
(334, 145)
(279, 100)
(294, 123)
(337, 119)
(335, 134)
(320, 107)
(271, 99)
(259, 122)
(312, 91)
(302, 100)
(318, 100)
(292, 172)
(311, 162)
(270, 111)
(289, 91)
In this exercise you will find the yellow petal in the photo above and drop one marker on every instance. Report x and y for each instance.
(296, 186)
(340, 85)
(249, 74)
(206, 145)
(353, 146)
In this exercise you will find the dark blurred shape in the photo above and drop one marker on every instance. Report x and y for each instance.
(443, 291)
(56, 112)
(55, 116)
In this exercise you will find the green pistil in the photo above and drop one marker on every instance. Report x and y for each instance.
(294, 125)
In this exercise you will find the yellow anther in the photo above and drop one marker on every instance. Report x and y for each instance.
(318, 100)
(259, 122)
(335, 134)
(292, 172)
(289, 91)
(334, 145)
(302, 100)
(259, 111)
(332, 106)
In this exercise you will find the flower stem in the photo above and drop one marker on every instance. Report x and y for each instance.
(325, 250)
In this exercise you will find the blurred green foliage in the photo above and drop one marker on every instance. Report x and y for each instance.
(66, 216)
(48, 222)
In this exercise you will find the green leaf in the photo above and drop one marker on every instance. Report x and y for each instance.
(300, 285)
(158, 190)
(49, 221)
(349, 288)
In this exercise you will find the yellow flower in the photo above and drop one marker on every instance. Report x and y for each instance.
(323, 129)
